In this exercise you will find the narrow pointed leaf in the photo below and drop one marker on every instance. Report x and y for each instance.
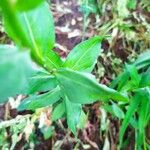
(58, 111)
(80, 88)
(135, 78)
(73, 114)
(144, 113)
(38, 101)
(40, 82)
(145, 80)
(143, 60)
(83, 57)
(131, 110)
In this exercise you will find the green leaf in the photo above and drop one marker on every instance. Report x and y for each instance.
(15, 70)
(47, 131)
(26, 4)
(40, 82)
(120, 80)
(135, 101)
(83, 56)
(135, 78)
(144, 115)
(131, 4)
(123, 78)
(143, 60)
(52, 60)
(58, 111)
(145, 80)
(38, 101)
(73, 114)
(81, 88)
(28, 30)
(115, 110)
(83, 120)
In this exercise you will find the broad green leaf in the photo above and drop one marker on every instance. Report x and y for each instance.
(35, 33)
(73, 114)
(83, 56)
(15, 70)
(40, 82)
(26, 4)
(58, 111)
(135, 101)
(38, 101)
(80, 88)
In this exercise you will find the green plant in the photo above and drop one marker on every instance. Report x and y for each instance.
(117, 18)
(65, 84)
(135, 82)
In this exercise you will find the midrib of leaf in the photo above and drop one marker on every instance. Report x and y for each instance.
(43, 77)
(52, 62)
(32, 36)
(83, 55)
(107, 93)
(80, 83)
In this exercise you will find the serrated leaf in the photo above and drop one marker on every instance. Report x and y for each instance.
(80, 88)
(28, 30)
(38, 101)
(15, 70)
(73, 114)
(83, 56)
(40, 82)
(58, 111)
